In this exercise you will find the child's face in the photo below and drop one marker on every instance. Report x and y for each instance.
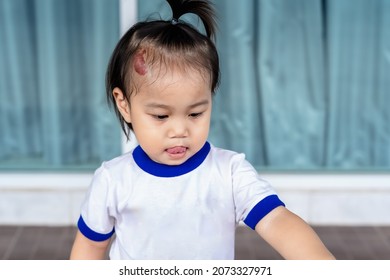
(171, 114)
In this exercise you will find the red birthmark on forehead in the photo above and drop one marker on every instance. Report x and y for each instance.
(140, 64)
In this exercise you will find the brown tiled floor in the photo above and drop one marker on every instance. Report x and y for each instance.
(54, 243)
(346, 243)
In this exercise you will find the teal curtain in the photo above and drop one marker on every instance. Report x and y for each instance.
(53, 55)
(305, 83)
(359, 84)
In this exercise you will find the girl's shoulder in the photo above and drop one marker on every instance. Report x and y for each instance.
(225, 156)
(115, 168)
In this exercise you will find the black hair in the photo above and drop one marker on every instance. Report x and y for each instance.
(170, 42)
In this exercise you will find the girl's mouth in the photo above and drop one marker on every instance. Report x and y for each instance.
(176, 152)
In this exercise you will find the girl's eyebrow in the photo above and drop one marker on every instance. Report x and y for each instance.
(157, 105)
(200, 103)
(163, 106)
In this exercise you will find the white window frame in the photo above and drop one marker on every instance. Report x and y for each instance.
(128, 17)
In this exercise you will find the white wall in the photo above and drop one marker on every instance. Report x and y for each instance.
(320, 199)
(337, 199)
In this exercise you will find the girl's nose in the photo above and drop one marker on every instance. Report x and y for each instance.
(178, 129)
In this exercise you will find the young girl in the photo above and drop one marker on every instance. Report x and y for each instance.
(176, 196)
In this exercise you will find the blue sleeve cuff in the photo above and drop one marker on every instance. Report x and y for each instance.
(90, 234)
(261, 209)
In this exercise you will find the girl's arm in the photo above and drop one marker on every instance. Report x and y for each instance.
(86, 249)
(291, 236)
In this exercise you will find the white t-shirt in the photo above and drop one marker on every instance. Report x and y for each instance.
(188, 211)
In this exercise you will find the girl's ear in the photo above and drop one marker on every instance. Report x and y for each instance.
(122, 104)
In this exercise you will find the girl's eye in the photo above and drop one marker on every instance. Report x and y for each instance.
(195, 115)
(160, 117)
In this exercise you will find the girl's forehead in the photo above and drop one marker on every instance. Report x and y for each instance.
(177, 83)
(151, 68)
(175, 77)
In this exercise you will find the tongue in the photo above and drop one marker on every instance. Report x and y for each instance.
(176, 150)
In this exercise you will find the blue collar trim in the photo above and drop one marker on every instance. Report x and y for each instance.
(163, 170)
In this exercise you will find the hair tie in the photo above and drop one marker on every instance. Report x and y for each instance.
(174, 21)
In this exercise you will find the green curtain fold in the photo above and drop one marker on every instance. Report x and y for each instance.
(53, 57)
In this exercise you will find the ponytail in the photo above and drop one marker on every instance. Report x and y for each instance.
(201, 8)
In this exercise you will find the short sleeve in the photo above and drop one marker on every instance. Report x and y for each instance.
(254, 198)
(96, 221)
